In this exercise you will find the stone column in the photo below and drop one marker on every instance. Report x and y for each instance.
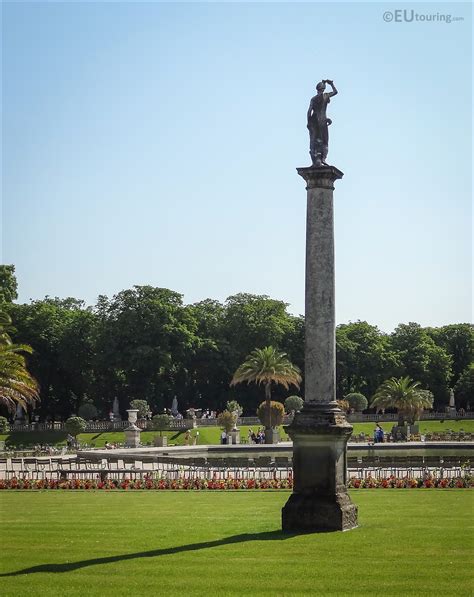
(320, 431)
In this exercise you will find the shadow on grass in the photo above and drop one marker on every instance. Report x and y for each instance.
(154, 553)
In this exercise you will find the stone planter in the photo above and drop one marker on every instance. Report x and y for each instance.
(402, 432)
(233, 437)
(272, 436)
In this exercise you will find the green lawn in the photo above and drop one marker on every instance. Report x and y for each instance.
(410, 542)
(207, 435)
(466, 425)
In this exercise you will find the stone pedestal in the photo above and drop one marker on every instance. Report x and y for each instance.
(403, 432)
(272, 436)
(234, 436)
(320, 431)
(320, 501)
(132, 436)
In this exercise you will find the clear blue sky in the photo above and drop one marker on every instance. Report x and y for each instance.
(157, 144)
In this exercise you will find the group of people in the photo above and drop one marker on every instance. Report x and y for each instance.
(209, 414)
(41, 449)
(256, 438)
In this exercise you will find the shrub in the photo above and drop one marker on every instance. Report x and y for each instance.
(4, 426)
(293, 404)
(160, 422)
(277, 412)
(87, 411)
(226, 419)
(357, 401)
(343, 405)
(75, 425)
(142, 407)
(234, 407)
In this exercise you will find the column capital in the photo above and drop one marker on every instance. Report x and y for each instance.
(320, 177)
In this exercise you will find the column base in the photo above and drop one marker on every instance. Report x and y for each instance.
(320, 501)
(319, 513)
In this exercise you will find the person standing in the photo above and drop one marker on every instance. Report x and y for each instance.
(379, 434)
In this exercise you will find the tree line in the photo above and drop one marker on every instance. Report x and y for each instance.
(145, 343)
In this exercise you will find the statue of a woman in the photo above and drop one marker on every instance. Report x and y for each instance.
(318, 123)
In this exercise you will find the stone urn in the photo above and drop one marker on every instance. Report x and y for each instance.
(132, 415)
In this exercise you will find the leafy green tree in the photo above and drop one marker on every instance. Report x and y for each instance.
(8, 284)
(75, 425)
(208, 366)
(267, 366)
(254, 320)
(364, 358)
(357, 401)
(405, 395)
(420, 358)
(62, 335)
(294, 404)
(4, 426)
(458, 342)
(293, 342)
(464, 389)
(144, 340)
(143, 408)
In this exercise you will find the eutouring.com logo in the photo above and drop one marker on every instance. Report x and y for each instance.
(410, 16)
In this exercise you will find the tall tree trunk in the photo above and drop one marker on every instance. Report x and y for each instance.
(401, 418)
(268, 397)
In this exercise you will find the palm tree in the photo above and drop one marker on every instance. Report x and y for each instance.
(405, 395)
(266, 366)
(17, 385)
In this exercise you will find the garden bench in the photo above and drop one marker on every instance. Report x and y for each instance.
(103, 473)
(4, 466)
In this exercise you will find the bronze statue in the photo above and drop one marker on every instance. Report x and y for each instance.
(318, 123)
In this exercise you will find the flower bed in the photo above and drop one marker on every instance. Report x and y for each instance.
(229, 484)
(411, 483)
(157, 484)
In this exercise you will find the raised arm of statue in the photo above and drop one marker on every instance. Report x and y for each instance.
(334, 90)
